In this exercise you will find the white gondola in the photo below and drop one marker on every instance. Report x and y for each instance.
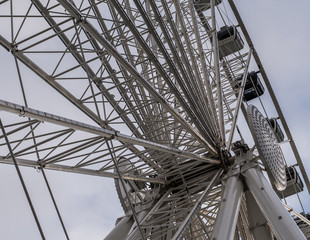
(229, 41)
(203, 5)
(276, 129)
(294, 183)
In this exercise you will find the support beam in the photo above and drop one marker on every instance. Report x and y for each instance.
(65, 122)
(20, 176)
(226, 220)
(121, 229)
(271, 206)
(47, 78)
(205, 72)
(239, 101)
(91, 172)
(300, 216)
(257, 222)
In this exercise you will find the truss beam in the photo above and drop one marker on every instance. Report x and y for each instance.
(85, 171)
(43, 116)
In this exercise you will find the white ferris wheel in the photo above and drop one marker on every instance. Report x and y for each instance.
(176, 107)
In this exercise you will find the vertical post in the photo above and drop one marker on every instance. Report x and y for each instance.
(226, 220)
(271, 206)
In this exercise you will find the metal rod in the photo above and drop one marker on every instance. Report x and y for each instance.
(130, 68)
(190, 64)
(22, 181)
(54, 202)
(217, 76)
(91, 172)
(196, 207)
(204, 68)
(239, 100)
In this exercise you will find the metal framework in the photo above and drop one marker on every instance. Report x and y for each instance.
(159, 102)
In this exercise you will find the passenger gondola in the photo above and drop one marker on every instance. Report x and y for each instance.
(229, 41)
(276, 129)
(294, 183)
(253, 86)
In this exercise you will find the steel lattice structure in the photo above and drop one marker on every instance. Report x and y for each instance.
(162, 104)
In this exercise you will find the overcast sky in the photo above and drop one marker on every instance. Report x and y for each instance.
(89, 205)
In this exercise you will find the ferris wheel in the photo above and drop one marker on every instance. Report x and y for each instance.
(167, 98)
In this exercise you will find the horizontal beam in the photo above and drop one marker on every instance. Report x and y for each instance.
(64, 168)
(65, 122)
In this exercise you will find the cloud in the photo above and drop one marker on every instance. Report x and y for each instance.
(89, 205)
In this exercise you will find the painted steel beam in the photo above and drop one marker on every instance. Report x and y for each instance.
(43, 116)
(227, 216)
(51, 81)
(85, 171)
(271, 206)
(239, 101)
(257, 222)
